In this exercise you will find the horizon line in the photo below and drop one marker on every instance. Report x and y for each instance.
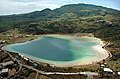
(56, 8)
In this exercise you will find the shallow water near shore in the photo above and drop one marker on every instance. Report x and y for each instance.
(59, 50)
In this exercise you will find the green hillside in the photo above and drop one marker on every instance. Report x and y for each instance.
(101, 21)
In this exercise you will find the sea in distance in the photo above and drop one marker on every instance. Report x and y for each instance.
(61, 50)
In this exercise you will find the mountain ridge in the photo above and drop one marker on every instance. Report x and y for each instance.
(74, 14)
(57, 9)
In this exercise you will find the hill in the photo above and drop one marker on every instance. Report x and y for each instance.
(101, 21)
(73, 11)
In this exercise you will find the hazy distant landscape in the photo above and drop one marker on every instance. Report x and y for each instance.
(101, 22)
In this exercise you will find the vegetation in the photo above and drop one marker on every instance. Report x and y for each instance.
(84, 18)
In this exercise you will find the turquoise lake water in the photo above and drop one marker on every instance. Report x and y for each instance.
(54, 49)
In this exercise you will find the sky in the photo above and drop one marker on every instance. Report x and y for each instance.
(8, 7)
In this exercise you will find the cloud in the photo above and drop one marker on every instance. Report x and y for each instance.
(23, 6)
(26, 0)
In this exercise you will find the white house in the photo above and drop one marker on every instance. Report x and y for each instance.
(5, 64)
(4, 72)
(107, 70)
(118, 73)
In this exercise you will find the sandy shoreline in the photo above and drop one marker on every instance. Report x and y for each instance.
(105, 54)
(99, 48)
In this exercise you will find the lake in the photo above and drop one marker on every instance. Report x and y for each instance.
(59, 50)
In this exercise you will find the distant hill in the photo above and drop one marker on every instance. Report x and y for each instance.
(103, 22)
(67, 11)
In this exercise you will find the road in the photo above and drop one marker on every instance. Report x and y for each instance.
(60, 73)
(48, 73)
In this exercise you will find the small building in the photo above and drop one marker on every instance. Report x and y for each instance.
(102, 65)
(25, 58)
(6, 64)
(3, 42)
(118, 73)
(107, 71)
(4, 73)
